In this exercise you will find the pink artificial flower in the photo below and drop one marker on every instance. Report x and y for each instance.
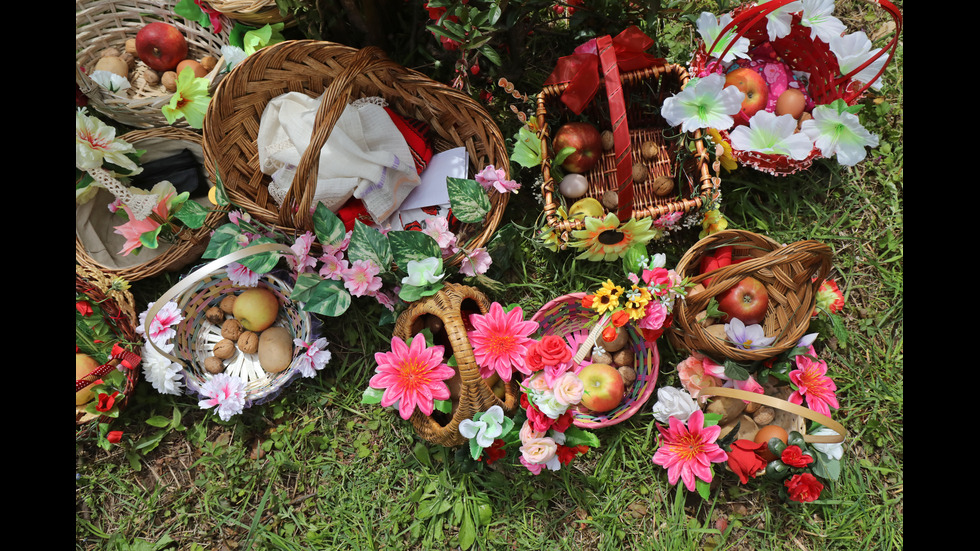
(688, 451)
(696, 372)
(384, 299)
(668, 220)
(241, 275)
(496, 178)
(315, 358)
(411, 375)
(163, 323)
(226, 393)
(362, 278)
(333, 266)
(658, 280)
(132, 229)
(812, 383)
(500, 340)
(654, 316)
(302, 261)
(475, 262)
(338, 249)
(437, 227)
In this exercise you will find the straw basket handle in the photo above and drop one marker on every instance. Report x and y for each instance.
(334, 101)
(749, 17)
(790, 407)
(196, 276)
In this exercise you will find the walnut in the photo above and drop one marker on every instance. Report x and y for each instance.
(224, 349)
(628, 374)
(663, 185)
(640, 172)
(624, 357)
(215, 315)
(248, 342)
(649, 150)
(214, 364)
(610, 199)
(231, 329)
(227, 303)
(608, 140)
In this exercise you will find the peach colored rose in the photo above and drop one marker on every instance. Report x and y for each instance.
(539, 450)
(537, 382)
(694, 375)
(528, 433)
(569, 389)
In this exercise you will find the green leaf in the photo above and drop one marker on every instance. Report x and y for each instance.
(407, 245)
(468, 200)
(735, 372)
(263, 262)
(467, 532)
(192, 214)
(367, 243)
(409, 293)
(574, 436)
(327, 226)
(371, 396)
(192, 12)
(445, 406)
(326, 297)
(527, 148)
(562, 155)
(149, 239)
(224, 240)
(491, 55)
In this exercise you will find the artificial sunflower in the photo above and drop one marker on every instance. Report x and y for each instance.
(606, 298)
(637, 299)
(607, 239)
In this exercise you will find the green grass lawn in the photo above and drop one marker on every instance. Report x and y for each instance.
(316, 469)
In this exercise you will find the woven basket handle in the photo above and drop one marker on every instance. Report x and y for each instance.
(748, 18)
(790, 407)
(196, 276)
(335, 99)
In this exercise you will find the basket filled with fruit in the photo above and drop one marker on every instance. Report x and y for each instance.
(230, 339)
(752, 298)
(129, 55)
(780, 83)
(611, 176)
(106, 348)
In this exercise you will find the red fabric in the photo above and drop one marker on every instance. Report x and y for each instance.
(416, 133)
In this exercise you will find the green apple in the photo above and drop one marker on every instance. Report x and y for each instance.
(256, 309)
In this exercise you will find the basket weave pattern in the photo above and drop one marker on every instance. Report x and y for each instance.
(253, 12)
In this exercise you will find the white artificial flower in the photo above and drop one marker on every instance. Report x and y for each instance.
(852, 51)
(673, 402)
(833, 451)
(771, 134)
(779, 23)
(704, 103)
(486, 429)
(747, 337)
(233, 56)
(226, 393)
(96, 143)
(423, 272)
(161, 372)
(835, 131)
(710, 27)
(110, 81)
(818, 15)
(315, 358)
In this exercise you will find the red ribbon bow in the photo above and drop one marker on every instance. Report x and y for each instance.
(127, 359)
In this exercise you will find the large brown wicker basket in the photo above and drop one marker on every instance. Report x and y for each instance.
(251, 12)
(100, 24)
(343, 74)
(95, 243)
(792, 274)
(453, 305)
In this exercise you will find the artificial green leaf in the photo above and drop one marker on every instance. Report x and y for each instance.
(224, 240)
(703, 488)
(188, 9)
(711, 419)
(410, 293)
(261, 263)
(527, 148)
(149, 239)
(476, 450)
(192, 214)
(328, 298)
(445, 406)
(575, 436)
(735, 372)
(371, 395)
(407, 245)
(562, 155)
(327, 226)
(367, 243)
(468, 200)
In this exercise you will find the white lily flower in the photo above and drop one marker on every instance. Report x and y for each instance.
(852, 51)
(835, 131)
(710, 27)
(110, 81)
(780, 22)
(705, 103)
(818, 15)
(233, 56)
(771, 134)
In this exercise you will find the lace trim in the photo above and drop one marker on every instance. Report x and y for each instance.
(140, 204)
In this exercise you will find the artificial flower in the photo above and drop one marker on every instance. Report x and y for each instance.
(233, 55)
(852, 51)
(803, 487)
(772, 134)
(818, 15)
(548, 236)
(437, 227)
(165, 375)
(486, 428)
(829, 298)
(540, 451)
(96, 143)
(496, 178)
(673, 402)
(705, 103)
(837, 131)
(687, 451)
(794, 457)
(133, 229)
(813, 384)
(568, 389)
(241, 275)
(301, 261)
(114, 436)
(106, 402)
(475, 262)
(696, 372)
(500, 340)
(619, 318)
(161, 327)
(528, 432)
(333, 266)
(710, 27)
(423, 272)
(832, 450)
(224, 392)
(189, 101)
(607, 239)
(314, 358)
(111, 81)
(362, 278)
(723, 151)
(744, 459)
(636, 301)
(606, 298)
(751, 337)
(84, 308)
(714, 222)
(412, 375)
(779, 22)
(553, 350)
(494, 452)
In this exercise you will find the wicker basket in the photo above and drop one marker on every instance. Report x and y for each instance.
(101, 24)
(802, 54)
(790, 416)
(195, 335)
(251, 12)
(118, 306)
(792, 274)
(343, 74)
(453, 306)
(566, 317)
(644, 90)
(96, 244)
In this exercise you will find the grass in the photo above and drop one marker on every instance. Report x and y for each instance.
(317, 470)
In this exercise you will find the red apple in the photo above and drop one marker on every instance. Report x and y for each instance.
(585, 140)
(604, 388)
(747, 301)
(756, 91)
(161, 46)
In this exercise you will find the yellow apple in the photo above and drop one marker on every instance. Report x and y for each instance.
(256, 309)
(84, 364)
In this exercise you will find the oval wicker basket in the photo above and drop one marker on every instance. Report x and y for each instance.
(251, 12)
(101, 24)
(453, 304)
(790, 416)
(792, 274)
(802, 54)
(97, 245)
(567, 318)
(196, 336)
(119, 307)
(341, 74)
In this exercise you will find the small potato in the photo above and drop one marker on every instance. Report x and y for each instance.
(275, 349)
(608, 140)
(113, 64)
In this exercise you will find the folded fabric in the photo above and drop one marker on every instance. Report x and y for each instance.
(416, 134)
(365, 157)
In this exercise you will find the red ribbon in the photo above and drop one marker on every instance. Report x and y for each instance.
(127, 359)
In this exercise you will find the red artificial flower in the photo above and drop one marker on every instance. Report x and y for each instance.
(744, 459)
(494, 452)
(84, 308)
(829, 297)
(794, 457)
(533, 359)
(587, 301)
(564, 421)
(553, 350)
(114, 436)
(434, 13)
(106, 401)
(804, 487)
(609, 334)
(567, 453)
(619, 318)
